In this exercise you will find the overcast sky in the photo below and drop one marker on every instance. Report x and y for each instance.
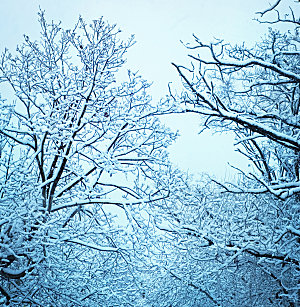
(158, 26)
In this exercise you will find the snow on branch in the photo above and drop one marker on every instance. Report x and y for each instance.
(93, 246)
(99, 201)
(208, 295)
(246, 63)
(282, 191)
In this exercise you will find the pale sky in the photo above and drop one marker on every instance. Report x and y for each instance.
(158, 26)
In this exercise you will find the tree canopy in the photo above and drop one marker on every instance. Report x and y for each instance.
(93, 213)
(254, 94)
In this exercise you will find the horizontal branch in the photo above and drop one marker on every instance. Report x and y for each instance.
(14, 273)
(283, 258)
(210, 109)
(251, 251)
(99, 201)
(246, 63)
(282, 191)
(92, 245)
(21, 142)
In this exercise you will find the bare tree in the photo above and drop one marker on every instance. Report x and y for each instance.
(77, 149)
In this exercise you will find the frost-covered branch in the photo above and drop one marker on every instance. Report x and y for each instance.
(80, 149)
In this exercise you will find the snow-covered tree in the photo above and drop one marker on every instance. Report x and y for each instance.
(230, 250)
(78, 148)
(253, 93)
